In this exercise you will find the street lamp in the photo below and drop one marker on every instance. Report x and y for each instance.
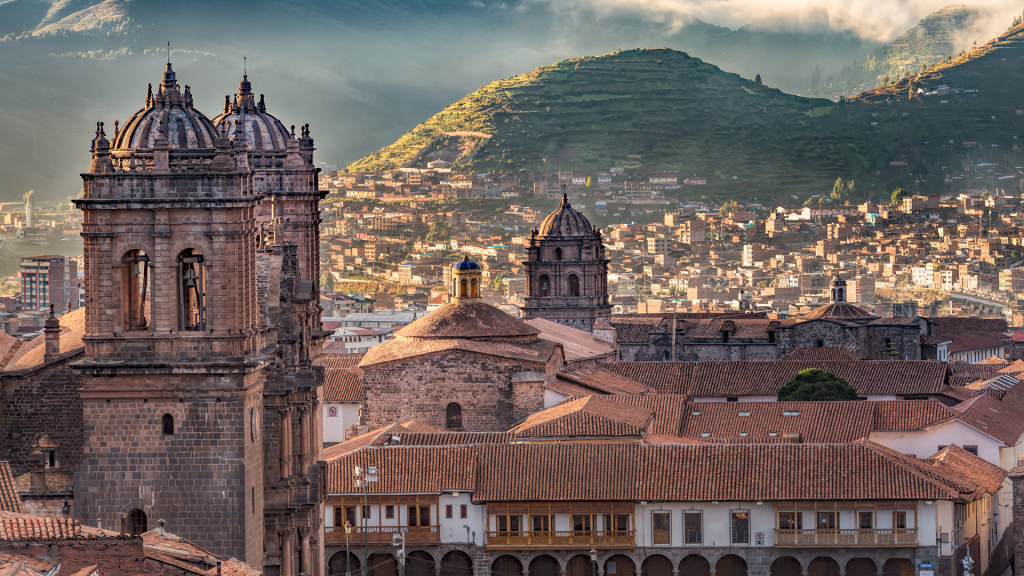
(398, 539)
(348, 557)
(593, 561)
(362, 478)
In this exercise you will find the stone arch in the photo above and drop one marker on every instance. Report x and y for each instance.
(823, 566)
(898, 567)
(861, 567)
(381, 564)
(506, 565)
(135, 289)
(457, 563)
(574, 285)
(191, 292)
(786, 566)
(579, 565)
(728, 565)
(419, 563)
(558, 254)
(619, 565)
(694, 565)
(338, 566)
(545, 565)
(656, 565)
(544, 285)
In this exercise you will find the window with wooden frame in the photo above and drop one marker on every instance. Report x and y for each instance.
(541, 523)
(899, 520)
(338, 516)
(662, 523)
(582, 523)
(865, 520)
(790, 521)
(826, 521)
(508, 523)
(693, 527)
(463, 511)
(418, 516)
(740, 526)
(389, 511)
(350, 515)
(448, 511)
(616, 522)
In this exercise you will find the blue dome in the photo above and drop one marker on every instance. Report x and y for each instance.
(466, 264)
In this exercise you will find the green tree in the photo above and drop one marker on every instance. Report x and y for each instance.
(497, 282)
(898, 195)
(590, 183)
(813, 385)
(727, 209)
(439, 232)
(328, 282)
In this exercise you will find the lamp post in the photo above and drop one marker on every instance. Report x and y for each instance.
(593, 561)
(398, 539)
(362, 479)
(348, 556)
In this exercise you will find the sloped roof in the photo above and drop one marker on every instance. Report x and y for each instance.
(766, 377)
(590, 416)
(469, 320)
(598, 379)
(577, 344)
(30, 354)
(406, 469)
(825, 353)
(966, 341)
(956, 462)
(22, 527)
(843, 311)
(9, 500)
(960, 324)
(998, 419)
(537, 351)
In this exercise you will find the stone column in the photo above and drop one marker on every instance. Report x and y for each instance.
(286, 442)
(304, 558)
(286, 553)
(304, 439)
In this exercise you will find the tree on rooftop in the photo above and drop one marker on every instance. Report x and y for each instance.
(814, 385)
(439, 232)
(898, 195)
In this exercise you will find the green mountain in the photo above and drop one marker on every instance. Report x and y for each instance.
(933, 39)
(661, 109)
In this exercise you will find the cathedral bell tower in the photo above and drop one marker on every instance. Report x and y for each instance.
(172, 370)
(567, 271)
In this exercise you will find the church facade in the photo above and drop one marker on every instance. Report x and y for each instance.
(198, 396)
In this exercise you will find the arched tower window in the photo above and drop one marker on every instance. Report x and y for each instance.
(137, 523)
(168, 424)
(463, 288)
(819, 343)
(191, 291)
(134, 289)
(473, 288)
(574, 285)
(558, 254)
(453, 417)
(545, 285)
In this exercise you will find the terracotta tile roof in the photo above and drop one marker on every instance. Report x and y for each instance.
(19, 527)
(10, 559)
(998, 419)
(590, 416)
(948, 325)
(958, 463)
(538, 351)
(235, 567)
(826, 353)
(995, 361)
(467, 320)
(449, 438)
(599, 379)
(343, 385)
(93, 570)
(417, 426)
(9, 500)
(764, 377)
(1015, 368)
(815, 422)
(30, 354)
(406, 469)
(368, 439)
(577, 344)
(843, 311)
(338, 361)
(178, 548)
(56, 481)
(668, 411)
(9, 346)
(970, 341)
(908, 415)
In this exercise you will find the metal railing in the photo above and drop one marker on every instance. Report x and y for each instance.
(563, 538)
(847, 537)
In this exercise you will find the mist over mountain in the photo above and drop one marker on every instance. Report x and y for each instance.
(361, 73)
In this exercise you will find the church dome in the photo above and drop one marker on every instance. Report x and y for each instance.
(468, 321)
(565, 222)
(840, 311)
(169, 113)
(262, 131)
(466, 264)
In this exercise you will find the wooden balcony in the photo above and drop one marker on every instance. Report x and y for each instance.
(847, 537)
(585, 539)
(382, 535)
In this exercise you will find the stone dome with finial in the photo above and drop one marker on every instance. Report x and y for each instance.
(261, 130)
(565, 222)
(168, 114)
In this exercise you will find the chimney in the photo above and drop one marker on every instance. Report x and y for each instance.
(51, 331)
(37, 470)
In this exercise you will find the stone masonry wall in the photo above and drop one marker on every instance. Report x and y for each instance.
(198, 472)
(45, 402)
(422, 387)
(117, 556)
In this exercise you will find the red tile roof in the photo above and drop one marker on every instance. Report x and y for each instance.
(765, 378)
(590, 416)
(956, 462)
(538, 351)
(601, 380)
(406, 469)
(467, 320)
(9, 500)
(30, 354)
(826, 353)
(949, 325)
(969, 341)
(998, 419)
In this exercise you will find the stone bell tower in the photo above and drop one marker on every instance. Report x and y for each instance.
(173, 366)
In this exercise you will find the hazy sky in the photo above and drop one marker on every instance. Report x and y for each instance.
(873, 19)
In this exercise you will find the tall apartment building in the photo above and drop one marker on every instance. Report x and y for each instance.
(49, 279)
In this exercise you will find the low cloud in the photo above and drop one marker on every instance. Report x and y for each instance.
(878, 20)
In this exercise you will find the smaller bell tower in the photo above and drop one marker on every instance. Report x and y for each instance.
(467, 278)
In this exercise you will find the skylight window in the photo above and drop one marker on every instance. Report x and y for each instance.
(791, 413)
(743, 433)
(695, 413)
(773, 433)
(706, 434)
(744, 413)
